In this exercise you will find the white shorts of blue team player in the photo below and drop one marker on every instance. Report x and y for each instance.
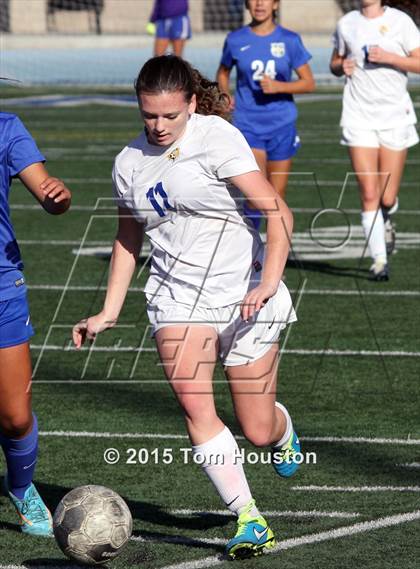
(239, 342)
(396, 139)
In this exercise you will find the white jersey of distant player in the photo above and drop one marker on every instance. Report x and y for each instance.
(205, 252)
(375, 96)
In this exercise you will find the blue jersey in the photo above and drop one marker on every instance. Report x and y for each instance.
(275, 55)
(17, 151)
(169, 9)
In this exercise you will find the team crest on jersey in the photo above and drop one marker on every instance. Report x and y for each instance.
(172, 156)
(384, 29)
(278, 49)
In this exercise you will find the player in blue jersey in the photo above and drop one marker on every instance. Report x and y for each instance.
(265, 56)
(171, 24)
(20, 158)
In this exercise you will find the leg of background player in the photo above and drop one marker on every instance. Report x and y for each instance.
(161, 45)
(278, 175)
(391, 164)
(178, 47)
(365, 163)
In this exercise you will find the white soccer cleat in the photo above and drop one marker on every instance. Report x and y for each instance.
(389, 236)
(379, 270)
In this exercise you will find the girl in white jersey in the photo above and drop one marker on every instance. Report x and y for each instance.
(211, 292)
(375, 47)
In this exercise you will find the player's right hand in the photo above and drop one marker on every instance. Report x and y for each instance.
(349, 65)
(88, 328)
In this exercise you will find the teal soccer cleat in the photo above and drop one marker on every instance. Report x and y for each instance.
(252, 538)
(284, 458)
(35, 518)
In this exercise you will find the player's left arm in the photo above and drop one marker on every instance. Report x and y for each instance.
(51, 192)
(409, 63)
(262, 196)
(305, 83)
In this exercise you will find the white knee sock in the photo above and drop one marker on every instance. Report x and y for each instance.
(289, 426)
(225, 470)
(374, 229)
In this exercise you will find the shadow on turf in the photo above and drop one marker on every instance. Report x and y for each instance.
(46, 562)
(146, 513)
(329, 269)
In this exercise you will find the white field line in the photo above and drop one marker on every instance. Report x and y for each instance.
(32, 566)
(410, 465)
(321, 292)
(30, 207)
(106, 435)
(336, 160)
(363, 440)
(359, 528)
(295, 352)
(64, 242)
(270, 514)
(315, 488)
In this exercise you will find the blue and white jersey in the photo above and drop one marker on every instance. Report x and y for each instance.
(18, 150)
(203, 247)
(275, 55)
(375, 96)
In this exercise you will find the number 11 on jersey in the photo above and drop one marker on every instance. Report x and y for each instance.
(159, 191)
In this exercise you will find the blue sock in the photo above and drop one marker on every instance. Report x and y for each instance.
(21, 456)
(254, 215)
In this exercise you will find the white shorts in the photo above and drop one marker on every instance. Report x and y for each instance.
(239, 342)
(395, 138)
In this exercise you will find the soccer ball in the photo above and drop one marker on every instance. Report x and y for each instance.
(92, 524)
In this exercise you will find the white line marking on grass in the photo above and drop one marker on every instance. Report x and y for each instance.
(107, 435)
(345, 531)
(80, 288)
(29, 207)
(365, 353)
(351, 210)
(296, 352)
(275, 514)
(63, 243)
(411, 465)
(362, 440)
(93, 435)
(32, 566)
(334, 160)
(314, 488)
(320, 292)
(339, 292)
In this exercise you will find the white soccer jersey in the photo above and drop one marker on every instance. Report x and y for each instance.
(375, 96)
(205, 253)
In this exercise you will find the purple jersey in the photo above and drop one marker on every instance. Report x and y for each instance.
(169, 9)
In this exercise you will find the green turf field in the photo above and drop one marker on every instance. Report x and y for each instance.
(349, 370)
